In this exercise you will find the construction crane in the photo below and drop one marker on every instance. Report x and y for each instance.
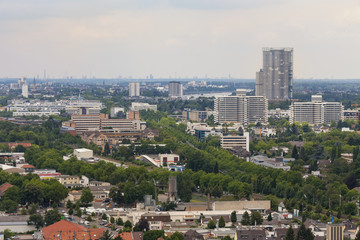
(356, 108)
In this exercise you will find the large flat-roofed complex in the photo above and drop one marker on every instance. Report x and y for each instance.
(83, 123)
(241, 108)
(316, 112)
(81, 107)
(275, 79)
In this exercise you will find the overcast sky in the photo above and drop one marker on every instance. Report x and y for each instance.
(182, 38)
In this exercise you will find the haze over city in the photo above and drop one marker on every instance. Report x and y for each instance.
(176, 38)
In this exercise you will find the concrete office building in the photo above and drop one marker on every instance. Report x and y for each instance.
(316, 112)
(195, 115)
(275, 79)
(134, 89)
(335, 231)
(241, 108)
(175, 89)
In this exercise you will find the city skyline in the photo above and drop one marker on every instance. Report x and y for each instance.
(176, 38)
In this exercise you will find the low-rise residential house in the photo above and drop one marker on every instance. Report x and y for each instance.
(193, 235)
(13, 145)
(351, 229)
(280, 233)
(4, 187)
(323, 165)
(65, 230)
(98, 183)
(264, 131)
(83, 153)
(28, 168)
(11, 169)
(100, 192)
(47, 173)
(156, 220)
(223, 232)
(161, 159)
(253, 234)
(73, 196)
(131, 235)
(277, 163)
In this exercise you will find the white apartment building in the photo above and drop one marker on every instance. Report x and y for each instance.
(231, 141)
(39, 114)
(175, 89)
(316, 112)
(134, 89)
(241, 108)
(72, 107)
(25, 90)
(115, 110)
(137, 106)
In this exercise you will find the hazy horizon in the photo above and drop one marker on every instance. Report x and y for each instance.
(173, 39)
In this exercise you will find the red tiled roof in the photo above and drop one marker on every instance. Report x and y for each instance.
(5, 187)
(26, 145)
(27, 166)
(126, 236)
(65, 230)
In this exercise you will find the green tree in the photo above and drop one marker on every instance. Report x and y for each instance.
(71, 211)
(256, 218)
(119, 221)
(33, 208)
(357, 237)
(52, 216)
(233, 217)
(295, 153)
(106, 236)
(355, 153)
(69, 204)
(153, 234)
(143, 225)
(128, 224)
(221, 222)
(37, 220)
(333, 153)
(78, 212)
(226, 238)
(104, 216)
(177, 236)
(269, 218)
(274, 202)
(8, 234)
(8, 205)
(13, 193)
(290, 234)
(184, 186)
(216, 168)
(107, 149)
(86, 196)
(112, 219)
(211, 224)
(304, 234)
(245, 219)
